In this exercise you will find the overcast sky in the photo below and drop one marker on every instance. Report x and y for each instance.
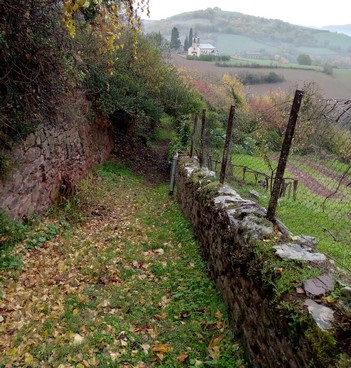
(314, 13)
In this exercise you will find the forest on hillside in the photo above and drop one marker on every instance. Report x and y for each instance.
(233, 33)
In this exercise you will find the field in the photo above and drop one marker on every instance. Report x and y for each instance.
(332, 86)
(322, 208)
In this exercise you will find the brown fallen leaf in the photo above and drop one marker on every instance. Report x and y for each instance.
(182, 358)
(137, 264)
(218, 315)
(213, 348)
(214, 342)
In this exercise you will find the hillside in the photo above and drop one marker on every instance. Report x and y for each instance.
(345, 28)
(335, 86)
(235, 33)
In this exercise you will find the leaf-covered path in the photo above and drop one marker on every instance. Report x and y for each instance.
(124, 288)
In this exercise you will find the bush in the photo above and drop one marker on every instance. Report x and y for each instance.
(32, 74)
(203, 57)
(304, 59)
(254, 78)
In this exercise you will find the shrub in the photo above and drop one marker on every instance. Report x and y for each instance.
(304, 59)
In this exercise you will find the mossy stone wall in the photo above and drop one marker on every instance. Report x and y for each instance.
(56, 155)
(276, 331)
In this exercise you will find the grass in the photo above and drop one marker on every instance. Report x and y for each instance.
(11, 232)
(246, 62)
(305, 215)
(122, 285)
(343, 75)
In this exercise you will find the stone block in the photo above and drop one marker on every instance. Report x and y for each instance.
(298, 253)
(323, 315)
(319, 286)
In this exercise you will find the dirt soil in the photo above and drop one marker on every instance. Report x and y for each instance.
(311, 183)
(337, 176)
(293, 78)
(136, 153)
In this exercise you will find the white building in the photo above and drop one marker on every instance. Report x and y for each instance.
(198, 48)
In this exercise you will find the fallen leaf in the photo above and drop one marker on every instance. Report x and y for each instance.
(214, 342)
(28, 358)
(161, 316)
(137, 264)
(182, 358)
(214, 352)
(105, 303)
(114, 356)
(163, 348)
(146, 347)
(213, 347)
(218, 315)
(78, 339)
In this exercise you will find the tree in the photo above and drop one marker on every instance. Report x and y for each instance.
(186, 44)
(175, 42)
(42, 54)
(106, 18)
(190, 38)
(304, 59)
(328, 69)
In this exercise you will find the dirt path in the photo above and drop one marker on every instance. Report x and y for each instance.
(135, 153)
(124, 288)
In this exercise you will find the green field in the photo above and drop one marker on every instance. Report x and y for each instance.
(344, 76)
(311, 214)
(252, 63)
(231, 44)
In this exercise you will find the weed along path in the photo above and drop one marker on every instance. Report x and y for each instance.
(120, 285)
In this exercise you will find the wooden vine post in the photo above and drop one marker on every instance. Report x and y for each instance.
(284, 154)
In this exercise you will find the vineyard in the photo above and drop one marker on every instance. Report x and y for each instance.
(315, 191)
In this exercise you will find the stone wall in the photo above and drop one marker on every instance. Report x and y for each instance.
(239, 246)
(54, 157)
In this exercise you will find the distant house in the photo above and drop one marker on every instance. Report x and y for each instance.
(198, 48)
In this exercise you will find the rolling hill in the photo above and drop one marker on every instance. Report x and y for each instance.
(238, 34)
(345, 28)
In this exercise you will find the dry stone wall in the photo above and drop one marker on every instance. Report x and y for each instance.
(55, 156)
(290, 330)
